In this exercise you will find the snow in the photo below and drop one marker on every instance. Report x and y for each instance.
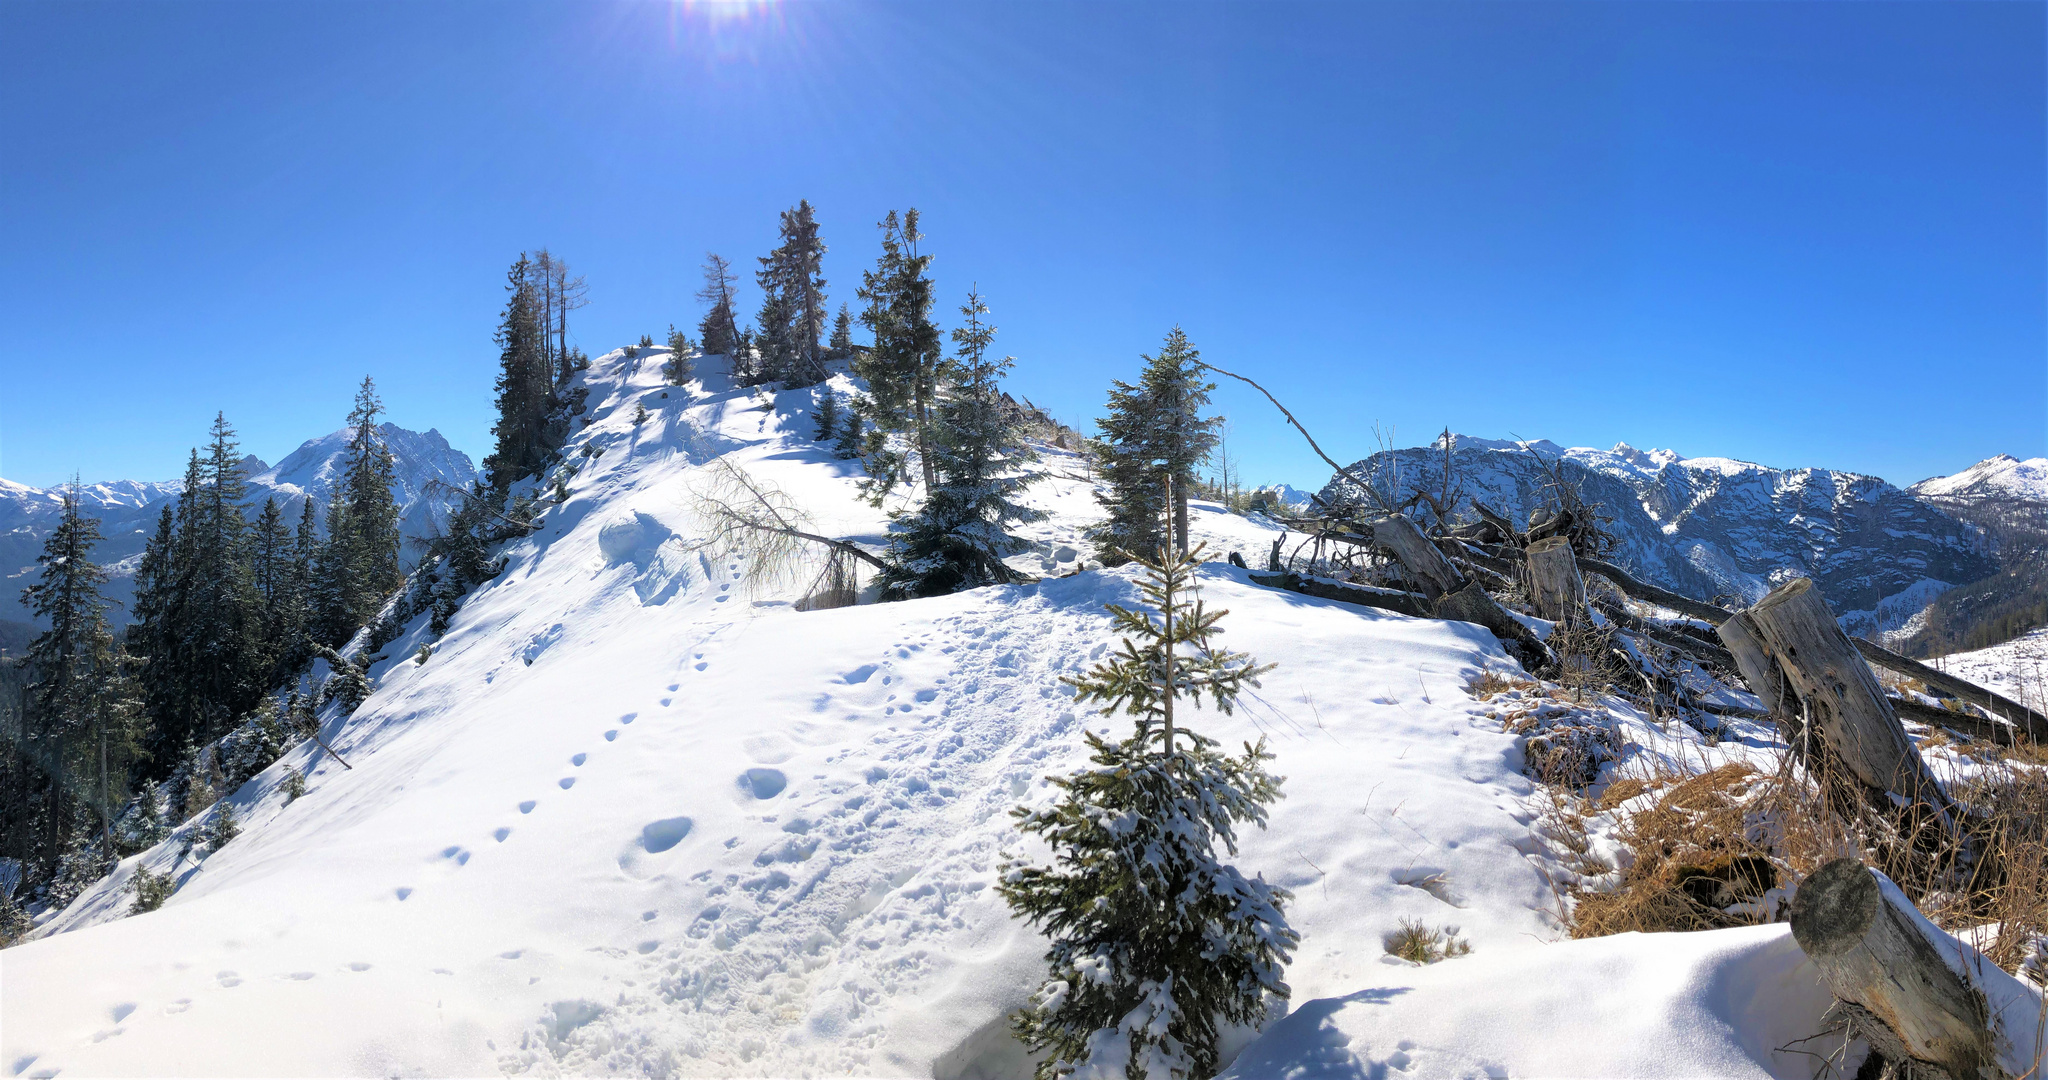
(2017, 669)
(2001, 476)
(637, 814)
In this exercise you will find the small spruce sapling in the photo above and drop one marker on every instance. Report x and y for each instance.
(852, 440)
(1156, 942)
(639, 414)
(14, 922)
(223, 827)
(828, 415)
(646, 341)
(294, 786)
(151, 890)
(677, 368)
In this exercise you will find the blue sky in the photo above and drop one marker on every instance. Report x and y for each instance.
(1801, 234)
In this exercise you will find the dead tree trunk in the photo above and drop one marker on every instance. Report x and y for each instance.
(1418, 556)
(1844, 701)
(1555, 588)
(1753, 661)
(1890, 976)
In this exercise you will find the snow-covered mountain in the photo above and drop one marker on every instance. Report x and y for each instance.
(1708, 527)
(128, 509)
(1999, 477)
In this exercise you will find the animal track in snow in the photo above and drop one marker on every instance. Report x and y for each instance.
(403, 891)
(229, 979)
(567, 782)
(358, 965)
(501, 834)
(611, 735)
(457, 853)
(527, 806)
(579, 759)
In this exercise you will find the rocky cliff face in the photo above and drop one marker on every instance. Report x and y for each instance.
(128, 509)
(1716, 527)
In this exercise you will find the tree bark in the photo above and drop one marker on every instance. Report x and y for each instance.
(1878, 955)
(1754, 662)
(1417, 555)
(1555, 588)
(1843, 699)
(1405, 603)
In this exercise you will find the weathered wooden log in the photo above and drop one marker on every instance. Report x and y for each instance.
(1417, 555)
(1555, 588)
(1753, 661)
(1651, 594)
(1509, 534)
(1877, 955)
(1977, 727)
(1844, 701)
(1406, 603)
(1472, 604)
(2030, 722)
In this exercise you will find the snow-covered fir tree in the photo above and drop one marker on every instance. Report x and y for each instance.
(841, 346)
(1156, 941)
(792, 317)
(1154, 430)
(958, 537)
(525, 385)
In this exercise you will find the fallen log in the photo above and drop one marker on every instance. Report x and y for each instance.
(1893, 979)
(1405, 603)
(1555, 589)
(2029, 722)
(1651, 594)
(1977, 727)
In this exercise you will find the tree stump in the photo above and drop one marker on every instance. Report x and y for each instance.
(1876, 955)
(1845, 703)
(1417, 555)
(1555, 587)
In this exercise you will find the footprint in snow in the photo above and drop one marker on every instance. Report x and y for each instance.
(579, 759)
(229, 979)
(567, 782)
(358, 965)
(611, 735)
(501, 834)
(527, 806)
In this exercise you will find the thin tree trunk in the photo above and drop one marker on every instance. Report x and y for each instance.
(1166, 617)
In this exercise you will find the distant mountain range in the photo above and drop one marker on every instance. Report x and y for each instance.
(1716, 527)
(128, 509)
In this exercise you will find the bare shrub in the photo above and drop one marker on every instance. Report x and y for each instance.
(1418, 943)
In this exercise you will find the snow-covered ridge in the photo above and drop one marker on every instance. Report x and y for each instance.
(1999, 477)
(1708, 526)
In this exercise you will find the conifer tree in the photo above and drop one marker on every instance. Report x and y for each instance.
(525, 386)
(958, 537)
(677, 368)
(720, 328)
(216, 643)
(72, 664)
(158, 595)
(1156, 942)
(331, 589)
(851, 439)
(841, 346)
(371, 541)
(828, 416)
(1155, 431)
(792, 315)
(906, 364)
(270, 570)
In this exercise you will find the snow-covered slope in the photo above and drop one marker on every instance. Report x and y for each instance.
(635, 814)
(1716, 526)
(128, 509)
(1999, 477)
(2017, 669)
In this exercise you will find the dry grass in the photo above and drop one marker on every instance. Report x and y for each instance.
(1418, 943)
(1702, 855)
(1492, 683)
